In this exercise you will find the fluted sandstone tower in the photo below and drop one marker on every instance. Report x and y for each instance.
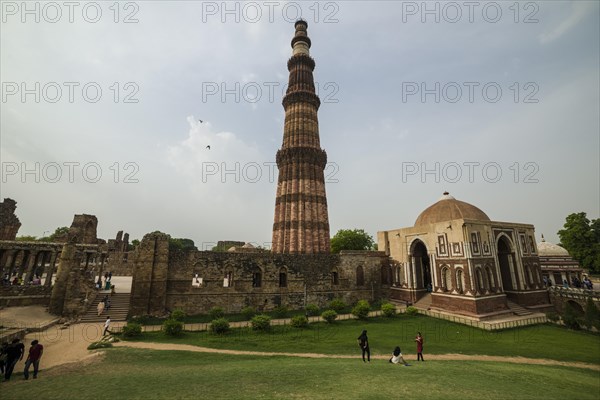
(301, 221)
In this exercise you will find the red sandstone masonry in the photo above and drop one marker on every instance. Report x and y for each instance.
(301, 223)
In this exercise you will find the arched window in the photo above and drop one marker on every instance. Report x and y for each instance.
(386, 274)
(397, 275)
(282, 277)
(360, 276)
(446, 279)
(335, 278)
(228, 278)
(490, 278)
(459, 280)
(479, 280)
(257, 278)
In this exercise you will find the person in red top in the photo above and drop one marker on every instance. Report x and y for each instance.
(419, 340)
(35, 353)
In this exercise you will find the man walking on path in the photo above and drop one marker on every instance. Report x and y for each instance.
(106, 325)
(35, 353)
(15, 353)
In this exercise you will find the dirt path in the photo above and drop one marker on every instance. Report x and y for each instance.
(434, 357)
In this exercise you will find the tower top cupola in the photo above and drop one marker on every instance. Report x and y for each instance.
(301, 41)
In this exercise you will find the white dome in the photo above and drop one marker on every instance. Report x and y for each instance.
(551, 249)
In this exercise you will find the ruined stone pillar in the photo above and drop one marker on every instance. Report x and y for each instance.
(150, 273)
(51, 267)
(31, 263)
(69, 260)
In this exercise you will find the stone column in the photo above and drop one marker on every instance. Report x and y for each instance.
(50, 271)
(31, 263)
(69, 260)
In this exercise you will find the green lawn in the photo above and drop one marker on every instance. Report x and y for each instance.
(540, 341)
(147, 374)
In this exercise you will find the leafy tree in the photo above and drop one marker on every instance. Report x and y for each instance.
(26, 238)
(582, 239)
(591, 317)
(59, 233)
(351, 239)
(181, 244)
(134, 243)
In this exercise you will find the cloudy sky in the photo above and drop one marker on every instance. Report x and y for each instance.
(496, 102)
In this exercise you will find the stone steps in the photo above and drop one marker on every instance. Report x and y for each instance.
(118, 311)
(424, 302)
(517, 309)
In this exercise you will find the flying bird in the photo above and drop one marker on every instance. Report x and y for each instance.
(208, 147)
(200, 121)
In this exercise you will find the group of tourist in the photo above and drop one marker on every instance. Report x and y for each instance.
(104, 282)
(576, 283)
(103, 305)
(396, 358)
(18, 280)
(12, 353)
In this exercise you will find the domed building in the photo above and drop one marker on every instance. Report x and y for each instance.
(461, 261)
(557, 264)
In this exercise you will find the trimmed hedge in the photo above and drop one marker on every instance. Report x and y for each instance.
(329, 315)
(361, 309)
(219, 326)
(261, 323)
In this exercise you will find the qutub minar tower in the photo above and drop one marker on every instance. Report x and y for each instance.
(301, 221)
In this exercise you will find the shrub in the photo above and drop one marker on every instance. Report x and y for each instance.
(132, 329)
(178, 315)
(248, 312)
(388, 309)
(410, 310)
(337, 305)
(261, 322)
(299, 321)
(216, 313)
(592, 315)
(329, 316)
(312, 310)
(172, 327)
(281, 312)
(361, 309)
(219, 326)
(571, 318)
(552, 316)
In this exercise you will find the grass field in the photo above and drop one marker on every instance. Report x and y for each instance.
(147, 374)
(127, 373)
(540, 341)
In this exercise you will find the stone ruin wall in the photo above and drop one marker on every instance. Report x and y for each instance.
(163, 281)
(9, 223)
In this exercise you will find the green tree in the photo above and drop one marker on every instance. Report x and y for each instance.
(351, 239)
(26, 238)
(181, 244)
(134, 243)
(59, 233)
(582, 239)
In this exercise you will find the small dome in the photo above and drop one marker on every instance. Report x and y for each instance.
(248, 245)
(448, 208)
(551, 249)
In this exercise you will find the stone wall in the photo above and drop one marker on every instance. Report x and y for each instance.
(24, 295)
(163, 280)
